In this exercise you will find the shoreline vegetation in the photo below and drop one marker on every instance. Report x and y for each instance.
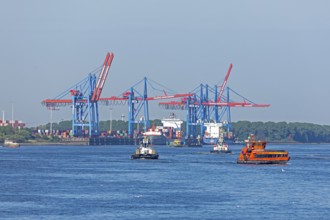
(85, 143)
(272, 132)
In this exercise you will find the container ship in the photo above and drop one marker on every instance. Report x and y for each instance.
(155, 136)
(172, 128)
(212, 134)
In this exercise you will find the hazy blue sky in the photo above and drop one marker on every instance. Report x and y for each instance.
(280, 51)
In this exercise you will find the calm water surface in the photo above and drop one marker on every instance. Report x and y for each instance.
(70, 182)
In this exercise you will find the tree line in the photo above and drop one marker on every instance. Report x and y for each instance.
(283, 131)
(18, 135)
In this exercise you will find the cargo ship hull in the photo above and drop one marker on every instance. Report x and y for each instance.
(157, 139)
(220, 151)
(145, 156)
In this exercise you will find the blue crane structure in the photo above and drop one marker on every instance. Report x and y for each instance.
(138, 99)
(85, 96)
(209, 104)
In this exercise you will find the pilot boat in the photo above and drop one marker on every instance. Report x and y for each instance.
(145, 151)
(255, 153)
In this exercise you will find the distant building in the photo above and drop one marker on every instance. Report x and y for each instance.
(14, 124)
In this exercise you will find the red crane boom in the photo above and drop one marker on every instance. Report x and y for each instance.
(102, 77)
(224, 83)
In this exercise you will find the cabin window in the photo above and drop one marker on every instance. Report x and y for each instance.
(269, 155)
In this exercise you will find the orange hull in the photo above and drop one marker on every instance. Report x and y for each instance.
(254, 153)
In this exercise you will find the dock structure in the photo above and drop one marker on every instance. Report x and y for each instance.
(95, 141)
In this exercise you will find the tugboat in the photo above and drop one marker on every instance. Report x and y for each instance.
(221, 146)
(254, 153)
(145, 151)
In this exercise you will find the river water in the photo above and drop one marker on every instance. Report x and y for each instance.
(85, 182)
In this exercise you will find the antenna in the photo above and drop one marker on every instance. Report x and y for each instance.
(12, 114)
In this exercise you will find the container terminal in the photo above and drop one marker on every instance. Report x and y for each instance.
(207, 109)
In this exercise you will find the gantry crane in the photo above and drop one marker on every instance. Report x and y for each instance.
(84, 101)
(200, 106)
(137, 101)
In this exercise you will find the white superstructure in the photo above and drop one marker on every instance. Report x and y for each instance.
(212, 130)
(172, 122)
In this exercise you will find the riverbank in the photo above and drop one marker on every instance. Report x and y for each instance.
(59, 143)
(86, 143)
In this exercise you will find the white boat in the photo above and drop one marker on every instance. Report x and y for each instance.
(10, 144)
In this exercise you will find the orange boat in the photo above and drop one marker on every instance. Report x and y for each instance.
(254, 153)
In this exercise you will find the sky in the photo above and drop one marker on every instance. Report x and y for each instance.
(280, 51)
